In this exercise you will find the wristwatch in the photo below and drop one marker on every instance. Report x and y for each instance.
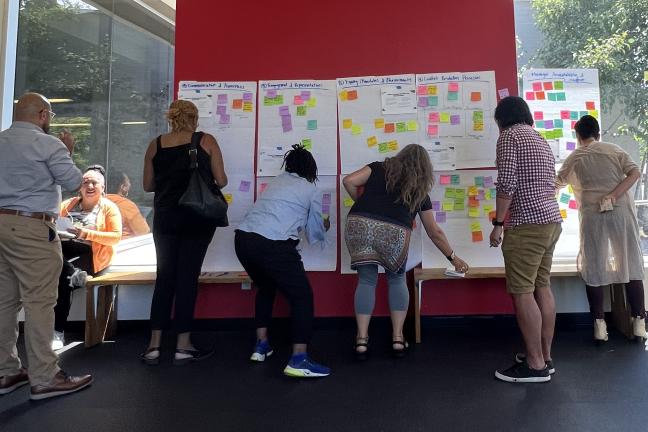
(497, 223)
(451, 257)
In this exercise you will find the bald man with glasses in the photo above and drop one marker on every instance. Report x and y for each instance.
(32, 168)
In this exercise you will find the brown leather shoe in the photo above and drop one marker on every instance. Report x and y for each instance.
(9, 383)
(60, 385)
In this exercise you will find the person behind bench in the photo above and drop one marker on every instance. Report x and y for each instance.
(97, 229)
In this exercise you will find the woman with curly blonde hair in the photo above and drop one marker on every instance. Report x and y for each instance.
(378, 232)
(181, 237)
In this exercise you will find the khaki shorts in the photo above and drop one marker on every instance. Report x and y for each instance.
(528, 254)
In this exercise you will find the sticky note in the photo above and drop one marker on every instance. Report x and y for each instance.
(477, 236)
(421, 90)
(221, 109)
(305, 94)
(247, 97)
(326, 209)
(222, 99)
(549, 124)
(645, 76)
(448, 205)
(236, 104)
(558, 85)
(565, 114)
(529, 96)
(392, 145)
(352, 95)
(440, 216)
(488, 208)
(423, 101)
(444, 117)
(297, 100)
(540, 95)
(478, 127)
(561, 96)
(455, 119)
(372, 141)
(224, 119)
(311, 124)
(344, 95)
(301, 111)
(347, 123)
(492, 215)
(356, 129)
(475, 226)
(453, 87)
(552, 97)
(433, 100)
(433, 117)
(229, 198)
(590, 105)
(460, 193)
(449, 193)
(558, 133)
(268, 101)
(311, 103)
(436, 205)
(571, 145)
(488, 181)
(433, 130)
(307, 143)
(564, 198)
(262, 187)
(348, 202)
(570, 189)
(563, 213)
(455, 179)
(547, 85)
(573, 115)
(472, 191)
(503, 93)
(459, 204)
(475, 96)
(401, 127)
(573, 204)
(453, 96)
(473, 202)
(326, 198)
(479, 181)
(379, 123)
(287, 127)
(271, 93)
(593, 113)
(383, 147)
(558, 123)
(284, 110)
(537, 86)
(432, 90)
(582, 113)
(412, 125)
(538, 115)
(478, 116)
(244, 186)
(390, 128)
(247, 106)
(444, 179)
(473, 212)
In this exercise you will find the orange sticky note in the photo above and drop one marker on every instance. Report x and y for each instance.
(389, 127)
(492, 215)
(473, 202)
(352, 95)
(237, 104)
(347, 123)
(547, 85)
(540, 95)
(475, 96)
(379, 123)
(477, 236)
(589, 106)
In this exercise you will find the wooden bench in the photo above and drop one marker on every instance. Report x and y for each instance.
(101, 298)
(620, 312)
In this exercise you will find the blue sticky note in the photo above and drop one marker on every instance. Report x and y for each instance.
(433, 100)
(558, 124)
(453, 96)
(311, 124)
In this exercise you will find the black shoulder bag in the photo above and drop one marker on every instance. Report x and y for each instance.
(203, 198)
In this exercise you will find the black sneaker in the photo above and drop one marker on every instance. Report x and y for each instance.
(522, 373)
(521, 358)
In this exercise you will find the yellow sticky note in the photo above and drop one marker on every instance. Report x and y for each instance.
(379, 123)
(593, 113)
(646, 76)
(343, 95)
(229, 198)
(412, 125)
(478, 127)
(347, 123)
(570, 189)
(348, 202)
(372, 141)
(247, 106)
(432, 90)
(312, 102)
(487, 194)
(356, 129)
(444, 117)
(488, 207)
(475, 226)
(473, 212)
(563, 213)
(392, 145)
(473, 191)
(448, 205)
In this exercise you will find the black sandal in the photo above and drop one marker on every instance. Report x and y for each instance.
(361, 342)
(150, 360)
(194, 355)
(399, 353)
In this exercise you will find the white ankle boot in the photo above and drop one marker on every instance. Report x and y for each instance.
(600, 330)
(639, 327)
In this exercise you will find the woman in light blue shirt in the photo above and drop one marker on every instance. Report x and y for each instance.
(266, 245)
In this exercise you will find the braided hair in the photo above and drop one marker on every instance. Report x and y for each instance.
(301, 162)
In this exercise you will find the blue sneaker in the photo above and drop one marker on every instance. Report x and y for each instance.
(262, 350)
(300, 366)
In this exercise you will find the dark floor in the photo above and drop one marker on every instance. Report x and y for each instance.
(445, 384)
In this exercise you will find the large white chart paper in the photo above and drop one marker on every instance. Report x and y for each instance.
(297, 112)
(377, 117)
(557, 99)
(227, 110)
(455, 115)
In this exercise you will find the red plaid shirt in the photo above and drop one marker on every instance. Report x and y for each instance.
(526, 172)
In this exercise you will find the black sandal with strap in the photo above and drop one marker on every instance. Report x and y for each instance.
(361, 342)
(399, 353)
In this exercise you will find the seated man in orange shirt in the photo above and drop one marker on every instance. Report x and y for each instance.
(133, 223)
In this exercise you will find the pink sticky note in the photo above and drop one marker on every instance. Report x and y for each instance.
(262, 187)
(436, 206)
(433, 130)
(421, 90)
(224, 119)
(538, 115)
(271, 93)
(530, 96)
(444, 179)
(297, 100)
(440, 217)
(221, 109)
(573, 204)
(503, 93)
(244, 186)
(222, 99)
(565, 114)
(453, 87)
(423, 101)
(537, 86)
(433, 117)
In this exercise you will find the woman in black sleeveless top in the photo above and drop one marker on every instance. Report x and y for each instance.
(181, 238)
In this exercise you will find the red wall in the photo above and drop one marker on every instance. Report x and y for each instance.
(292, 39)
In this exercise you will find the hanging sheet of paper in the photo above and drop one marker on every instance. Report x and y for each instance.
(398, 99)
(297, 112)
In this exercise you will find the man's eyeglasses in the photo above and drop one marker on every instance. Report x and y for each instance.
(52, 114)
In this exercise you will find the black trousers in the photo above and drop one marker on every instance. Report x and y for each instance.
(180, 254)
(76, 254)
(634, 295)
(276, 265)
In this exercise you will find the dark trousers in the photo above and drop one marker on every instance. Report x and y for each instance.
(276, 265)
(179, 260)
(76, 254)
(634, 294)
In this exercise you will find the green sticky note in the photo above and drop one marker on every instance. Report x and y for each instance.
(453, 96)
(279, 100)
(573, 115)
(552, 97)
(478, 116)
(454, 179)
(268, 101)
(460, 193)
(307, 143)
(401, 127)
(301, 110)
(356, 129)
(558, 85)
(412, 125)
(558, 123)
(433, 100)
(564, 198)
(561, 97)
(449, 193)
(383, 147)
(558, 133)
(459, 204)
(311, 125)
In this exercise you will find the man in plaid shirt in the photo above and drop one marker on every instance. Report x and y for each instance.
(526, 191)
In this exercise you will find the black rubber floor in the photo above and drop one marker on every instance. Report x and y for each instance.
(445, 384)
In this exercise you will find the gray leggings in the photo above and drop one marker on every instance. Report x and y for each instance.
(365, 295)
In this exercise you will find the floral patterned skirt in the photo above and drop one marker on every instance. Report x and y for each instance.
(372, 241)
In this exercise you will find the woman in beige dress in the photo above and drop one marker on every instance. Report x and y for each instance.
(601, 175)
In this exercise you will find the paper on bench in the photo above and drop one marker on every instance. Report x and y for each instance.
(451, 272)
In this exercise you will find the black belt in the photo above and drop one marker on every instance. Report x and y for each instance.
(34, 215)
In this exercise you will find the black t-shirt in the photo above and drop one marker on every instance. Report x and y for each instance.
(377, 203)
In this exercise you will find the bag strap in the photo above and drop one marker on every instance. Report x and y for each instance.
(159, 143)
(196, 137)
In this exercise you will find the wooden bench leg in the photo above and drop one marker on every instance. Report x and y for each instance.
(111, 329)
(99, 308)
(91, 318)
(620, 310)
(417, 309)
